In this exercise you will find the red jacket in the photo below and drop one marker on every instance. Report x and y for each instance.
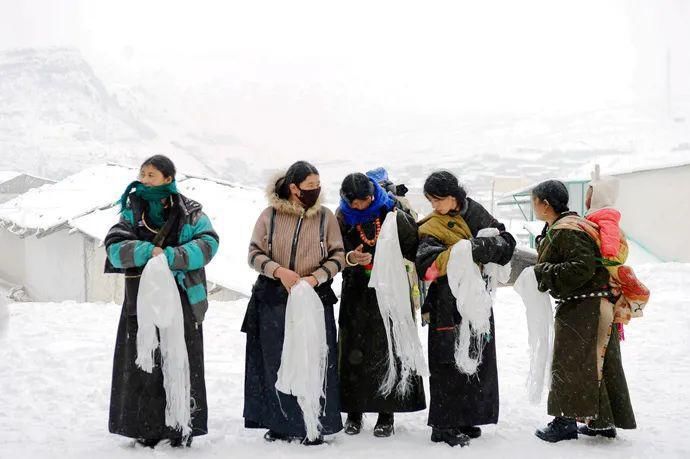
(608, 220)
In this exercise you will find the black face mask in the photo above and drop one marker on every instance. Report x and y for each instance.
(309, 197)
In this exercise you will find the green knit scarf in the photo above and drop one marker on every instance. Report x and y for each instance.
(153, 195)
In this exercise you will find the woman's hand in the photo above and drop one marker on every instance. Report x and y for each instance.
(157, 251)
(311, 280)
(288, 277)
(358, 257)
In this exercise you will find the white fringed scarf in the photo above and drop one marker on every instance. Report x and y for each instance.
(474, 300)
(159, 307)
(389, 278)
(541, 332)
(304, 358)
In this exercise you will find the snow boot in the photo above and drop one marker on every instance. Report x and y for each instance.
(353, 424)
(559, 429)
(179, 442)
(452, 437)
(384, 425)
(271, 436)
(609, 432)
(148, 442)
(315, 442)
(471, 431)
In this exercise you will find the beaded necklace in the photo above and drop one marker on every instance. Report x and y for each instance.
(363, 236)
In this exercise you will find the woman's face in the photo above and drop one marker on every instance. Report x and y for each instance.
(541, 208)
(362, 204)
(588, 198)
(312, 182)
(443, 205)
(150, 176)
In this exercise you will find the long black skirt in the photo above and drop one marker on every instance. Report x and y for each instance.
(458, 400)
(363, 352)
(137, 400)
(264, 324)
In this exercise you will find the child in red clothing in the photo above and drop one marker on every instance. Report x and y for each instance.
(600, 199)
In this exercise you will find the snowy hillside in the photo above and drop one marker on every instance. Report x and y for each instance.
(57, 117)
(55, 393)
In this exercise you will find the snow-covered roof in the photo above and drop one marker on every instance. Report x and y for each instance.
(41, 210)
(6, 176)
(233, 210)
(618, 171)
(647, 168)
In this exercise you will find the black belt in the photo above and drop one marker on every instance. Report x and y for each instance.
(602, 294)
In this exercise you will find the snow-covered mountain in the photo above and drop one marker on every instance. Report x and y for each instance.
(57, 117)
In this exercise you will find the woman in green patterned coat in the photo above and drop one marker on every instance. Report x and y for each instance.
(588, 382)
(155, 219)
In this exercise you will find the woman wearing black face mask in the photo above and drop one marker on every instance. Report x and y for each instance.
(294, 239)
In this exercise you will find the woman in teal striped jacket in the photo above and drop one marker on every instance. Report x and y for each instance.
(155, 219)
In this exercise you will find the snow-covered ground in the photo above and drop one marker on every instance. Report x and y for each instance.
(55, 365)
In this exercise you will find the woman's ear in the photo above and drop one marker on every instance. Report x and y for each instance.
(294, 189)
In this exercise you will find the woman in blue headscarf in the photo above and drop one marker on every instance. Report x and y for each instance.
(363, 344)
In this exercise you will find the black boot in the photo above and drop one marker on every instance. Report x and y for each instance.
(315, 442)
(471, 431)
(590, 432)
(181, 441)
(558, 429)
(148, 442)
(384, 425)
(453, 437)
(272, 436)
(353, 423)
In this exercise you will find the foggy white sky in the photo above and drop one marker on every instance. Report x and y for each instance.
(489, 55)
(289, 70)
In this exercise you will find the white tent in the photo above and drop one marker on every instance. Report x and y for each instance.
(652, 201)
(232, 209)
(38, 250)
(12, 184)
(656, 209)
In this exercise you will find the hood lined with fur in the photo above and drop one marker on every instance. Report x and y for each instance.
(285, 205)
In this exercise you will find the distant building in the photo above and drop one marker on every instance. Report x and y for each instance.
(653, 201)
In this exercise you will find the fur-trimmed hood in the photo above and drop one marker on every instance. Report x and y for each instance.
(286, 206)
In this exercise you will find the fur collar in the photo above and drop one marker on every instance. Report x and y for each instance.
(286, 206)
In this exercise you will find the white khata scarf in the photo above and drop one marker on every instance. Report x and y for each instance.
(304, 358)
(389, 278)
(541, 332)
(474, 296)
(159, 307)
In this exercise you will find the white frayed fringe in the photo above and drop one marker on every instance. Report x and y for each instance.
(304, 358)
(474, 299)
(389, 278)
(541, 332)
(159, 306)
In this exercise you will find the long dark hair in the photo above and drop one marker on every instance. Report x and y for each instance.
(162, 163)
(297, 173)
(442, 184)
(555, 193)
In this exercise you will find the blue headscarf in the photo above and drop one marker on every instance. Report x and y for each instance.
(356, 217)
